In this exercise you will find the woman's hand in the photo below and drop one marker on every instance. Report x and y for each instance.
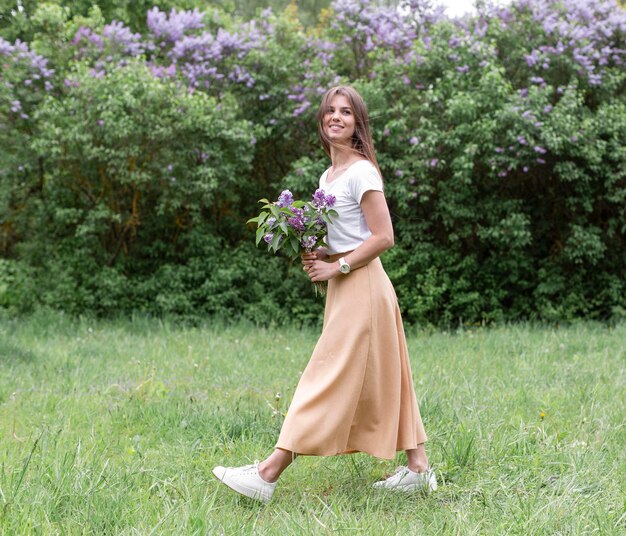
(319, 254)
(319, 270)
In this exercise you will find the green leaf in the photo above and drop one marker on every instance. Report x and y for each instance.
(259, 234)
(295, 245)
(276, 242)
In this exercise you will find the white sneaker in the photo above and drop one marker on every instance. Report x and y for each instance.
(246, 480)
(406, 480)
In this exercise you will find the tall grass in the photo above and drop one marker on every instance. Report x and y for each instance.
(114, 427)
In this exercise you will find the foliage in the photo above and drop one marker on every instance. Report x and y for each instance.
(133, 152)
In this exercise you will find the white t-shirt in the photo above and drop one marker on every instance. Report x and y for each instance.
(348, 229)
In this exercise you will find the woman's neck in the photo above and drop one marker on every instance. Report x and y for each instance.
(342, 158)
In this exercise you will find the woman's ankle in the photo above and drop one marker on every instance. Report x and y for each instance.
(419, 467)
(267, 473)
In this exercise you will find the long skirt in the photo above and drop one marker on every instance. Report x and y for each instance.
(356, 393)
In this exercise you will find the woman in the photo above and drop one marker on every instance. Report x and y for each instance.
(356, 394)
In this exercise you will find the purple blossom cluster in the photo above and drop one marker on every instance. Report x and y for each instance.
(321, 200)
(583, 30)
(177, 42)
(116, 40)
(20, 52)
(23, 72)
(285, 199)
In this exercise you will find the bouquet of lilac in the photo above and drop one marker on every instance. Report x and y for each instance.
(295, 226)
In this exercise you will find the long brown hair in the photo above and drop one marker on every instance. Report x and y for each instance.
(362, 142)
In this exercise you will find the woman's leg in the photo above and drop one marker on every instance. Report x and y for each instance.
(271, 468)
(417, 459)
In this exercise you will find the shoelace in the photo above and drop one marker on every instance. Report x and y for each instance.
(253, 467)
(400, 473)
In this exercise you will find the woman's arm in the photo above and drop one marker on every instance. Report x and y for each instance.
(378, 220)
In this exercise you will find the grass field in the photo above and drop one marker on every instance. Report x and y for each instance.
(114, 427)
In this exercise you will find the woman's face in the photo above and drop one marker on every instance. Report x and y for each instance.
(339, 120)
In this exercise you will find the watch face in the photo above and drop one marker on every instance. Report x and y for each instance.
(344, 268)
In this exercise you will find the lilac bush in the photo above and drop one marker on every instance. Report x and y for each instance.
(500, 137)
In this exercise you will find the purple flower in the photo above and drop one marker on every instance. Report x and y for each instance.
(268, 238)
(463, 69)
(499, 150)
(16, 106)
(308, 242)
(296, 223)
(270, 221)
(522, 140)
(541, 161)
(319, 198)
(434, 162)
(285, 199)
(297, 212)
(539, 150)
(330, 200)
(413, 141)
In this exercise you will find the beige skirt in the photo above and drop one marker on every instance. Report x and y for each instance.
(356, 393)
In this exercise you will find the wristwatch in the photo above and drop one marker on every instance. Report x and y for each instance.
(344, 267)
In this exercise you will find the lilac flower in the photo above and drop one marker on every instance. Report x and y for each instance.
(268, 238)
(434, 162)
(330, 200)
(285, 199)
(522, 140)
(499, 150)
(463, 69)
(539, 150)
(319, 198)
(270, 221)
(174, 26)
(414, 140)
(296, 223)
(308, 242)
(16, 106)
(541, 161)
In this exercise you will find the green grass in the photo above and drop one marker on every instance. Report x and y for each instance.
(114, 427)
